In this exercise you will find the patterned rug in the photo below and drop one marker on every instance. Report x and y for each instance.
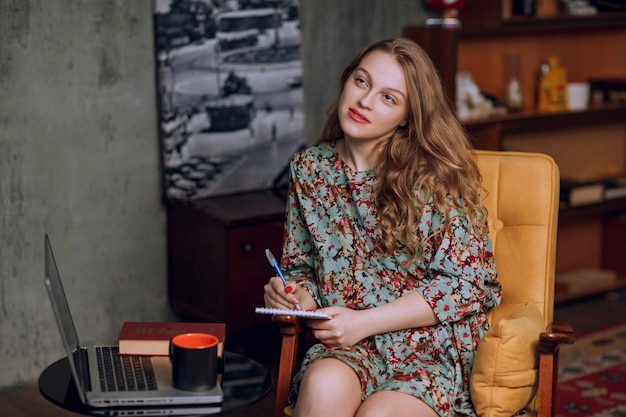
(592, 375)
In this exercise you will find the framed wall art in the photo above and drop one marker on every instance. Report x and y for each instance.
(230, 103)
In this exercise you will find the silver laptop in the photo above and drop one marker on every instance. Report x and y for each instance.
(104, 379)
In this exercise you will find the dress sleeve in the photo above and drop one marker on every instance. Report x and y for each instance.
(460, 277)
(297, 258)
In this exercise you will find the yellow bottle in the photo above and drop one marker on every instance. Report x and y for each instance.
(552, 86)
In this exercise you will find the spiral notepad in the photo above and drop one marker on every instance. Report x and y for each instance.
(297, 313)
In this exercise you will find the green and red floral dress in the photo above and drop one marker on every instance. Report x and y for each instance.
(331, 250)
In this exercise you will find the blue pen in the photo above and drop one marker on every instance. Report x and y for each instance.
(273, 262)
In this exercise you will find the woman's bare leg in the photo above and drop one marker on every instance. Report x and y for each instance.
(329, 387)
(393, 404)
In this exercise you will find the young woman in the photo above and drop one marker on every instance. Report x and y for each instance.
(386, 232)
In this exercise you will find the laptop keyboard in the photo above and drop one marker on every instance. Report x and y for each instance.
(124, 373)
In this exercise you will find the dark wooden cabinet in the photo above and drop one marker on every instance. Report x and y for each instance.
(216, 256)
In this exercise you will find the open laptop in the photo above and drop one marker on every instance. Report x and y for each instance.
(90, 369)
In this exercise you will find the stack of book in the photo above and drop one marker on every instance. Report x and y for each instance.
(576, 193)
(608, 90)
(586, 279)
(615, 188)
(153, 338)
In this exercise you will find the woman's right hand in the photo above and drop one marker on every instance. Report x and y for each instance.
(277, 295)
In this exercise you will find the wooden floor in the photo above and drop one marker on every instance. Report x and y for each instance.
(584, 315)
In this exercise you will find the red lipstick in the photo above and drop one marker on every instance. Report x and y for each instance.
(356, 116)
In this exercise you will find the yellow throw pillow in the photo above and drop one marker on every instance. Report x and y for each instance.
(505, 373)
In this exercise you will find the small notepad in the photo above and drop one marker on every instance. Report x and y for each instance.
(297, 313)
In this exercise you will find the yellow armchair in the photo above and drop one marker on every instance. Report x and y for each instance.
(522, 195)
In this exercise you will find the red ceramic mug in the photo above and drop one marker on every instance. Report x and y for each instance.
(194, 361)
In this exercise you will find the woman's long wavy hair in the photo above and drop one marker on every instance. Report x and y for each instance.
(428, 159)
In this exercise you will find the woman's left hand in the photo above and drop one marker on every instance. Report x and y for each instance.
(348, 327)
(340, 331)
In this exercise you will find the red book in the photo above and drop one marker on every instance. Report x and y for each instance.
(153, 338)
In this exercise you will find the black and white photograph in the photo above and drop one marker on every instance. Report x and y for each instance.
(230, 101)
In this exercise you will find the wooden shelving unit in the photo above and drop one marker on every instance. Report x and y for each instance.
(587, 141)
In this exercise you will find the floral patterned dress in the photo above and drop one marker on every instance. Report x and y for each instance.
(331, 250)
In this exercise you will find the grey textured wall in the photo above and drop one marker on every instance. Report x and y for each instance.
(79, 157)
(78, 160)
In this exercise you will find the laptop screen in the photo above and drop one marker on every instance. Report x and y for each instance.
(63, 317)
(66, 324)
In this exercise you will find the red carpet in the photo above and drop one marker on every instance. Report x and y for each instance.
(592, 375)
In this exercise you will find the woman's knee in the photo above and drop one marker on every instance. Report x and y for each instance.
(331, 377)
(328, 388)
(392, 404)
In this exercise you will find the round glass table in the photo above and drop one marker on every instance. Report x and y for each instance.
(244, 382)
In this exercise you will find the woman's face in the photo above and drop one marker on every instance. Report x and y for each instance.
(374, 100)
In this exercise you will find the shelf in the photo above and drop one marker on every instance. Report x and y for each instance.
(548, 16)
(524, 25)
(488, 133)
(563, 295)
(607, 207)
(526, 122)
(586, 47)
(539, 25)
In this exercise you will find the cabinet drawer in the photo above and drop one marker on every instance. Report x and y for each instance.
(249, 269)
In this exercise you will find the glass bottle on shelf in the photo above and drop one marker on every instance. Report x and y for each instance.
(513, 95)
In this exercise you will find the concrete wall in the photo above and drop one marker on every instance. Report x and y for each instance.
(78, 160)
(79, 157)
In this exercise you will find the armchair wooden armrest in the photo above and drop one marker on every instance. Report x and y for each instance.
(550, 341)
(556, 334)
(291, 327)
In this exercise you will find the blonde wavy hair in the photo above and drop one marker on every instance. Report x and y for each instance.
(429, 159)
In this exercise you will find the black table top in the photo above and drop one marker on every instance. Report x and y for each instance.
(244, 382)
